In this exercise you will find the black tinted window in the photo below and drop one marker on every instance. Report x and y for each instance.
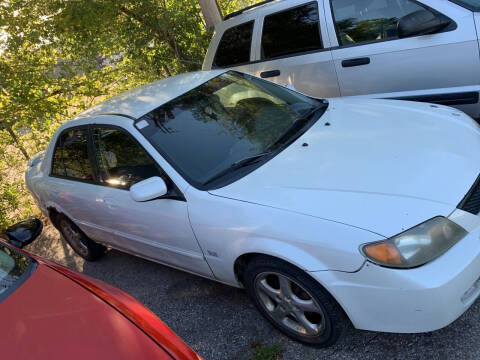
(291, 31)
(121, 160)
(71, 156)
(359, 21)
(234, 48)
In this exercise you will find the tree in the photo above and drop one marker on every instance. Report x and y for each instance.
(59, 57)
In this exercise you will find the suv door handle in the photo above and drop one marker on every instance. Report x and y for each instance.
(356, 62)
(271, 73)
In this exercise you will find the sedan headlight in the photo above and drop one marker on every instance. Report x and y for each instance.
(416, 246)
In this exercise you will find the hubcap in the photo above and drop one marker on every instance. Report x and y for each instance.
(74, 238)
(289, 304)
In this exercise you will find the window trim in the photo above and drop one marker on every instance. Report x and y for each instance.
(94, 173)
(369, 42)
(214, 64)
(297, 53)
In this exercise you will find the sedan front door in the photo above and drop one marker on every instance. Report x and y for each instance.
(158, 229)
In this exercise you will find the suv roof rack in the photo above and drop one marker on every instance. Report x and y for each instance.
(235, 13)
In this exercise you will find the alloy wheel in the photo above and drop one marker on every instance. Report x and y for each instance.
(289, 304)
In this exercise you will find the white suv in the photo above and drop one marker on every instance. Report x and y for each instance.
(399, 49)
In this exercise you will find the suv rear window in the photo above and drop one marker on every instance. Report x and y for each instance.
(14, 269)
(291, 31)
(234, 48)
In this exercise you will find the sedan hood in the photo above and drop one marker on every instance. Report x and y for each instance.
(380, 165)
(52, 317)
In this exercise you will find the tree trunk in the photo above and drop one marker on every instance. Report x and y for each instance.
(17, 142)
(211, 12)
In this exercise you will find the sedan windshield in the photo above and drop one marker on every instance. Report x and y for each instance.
(229, 119)
(473, 5)
(14, 268)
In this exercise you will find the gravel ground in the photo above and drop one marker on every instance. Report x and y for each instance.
(219, 322)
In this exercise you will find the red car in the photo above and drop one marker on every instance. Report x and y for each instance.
(50, 312)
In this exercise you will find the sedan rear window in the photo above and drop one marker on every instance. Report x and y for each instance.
(70, 158)
(14, 269)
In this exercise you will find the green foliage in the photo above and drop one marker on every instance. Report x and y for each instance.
(59, 57)
(267, 352)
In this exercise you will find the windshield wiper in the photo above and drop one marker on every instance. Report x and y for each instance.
(297, 125)
(238, 164)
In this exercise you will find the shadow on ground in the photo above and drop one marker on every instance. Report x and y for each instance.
(219, 322)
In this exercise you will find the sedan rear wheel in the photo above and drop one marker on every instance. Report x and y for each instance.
(294, 303)
(80, 243)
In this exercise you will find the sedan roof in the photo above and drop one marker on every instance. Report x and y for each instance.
(141, 100)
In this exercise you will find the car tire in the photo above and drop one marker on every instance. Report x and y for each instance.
(78, 241)
(294, 302)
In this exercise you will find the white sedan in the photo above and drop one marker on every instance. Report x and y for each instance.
(325, 211)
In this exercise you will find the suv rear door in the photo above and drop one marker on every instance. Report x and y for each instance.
(293, 48)
(371, 59)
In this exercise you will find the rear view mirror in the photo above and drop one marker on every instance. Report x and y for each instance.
(422, 22)
(24, 232)
(148, 189)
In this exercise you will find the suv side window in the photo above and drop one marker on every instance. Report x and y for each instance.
(358, 21)
(70, 158)
(121, 161)
(235, 45)
(291, 31)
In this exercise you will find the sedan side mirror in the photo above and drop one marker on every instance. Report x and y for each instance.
(24, 232)
(422, 22)
(148, 189)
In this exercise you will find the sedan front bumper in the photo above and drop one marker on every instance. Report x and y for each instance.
(423, 299)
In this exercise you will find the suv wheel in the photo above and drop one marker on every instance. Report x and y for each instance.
(294, 303)
(80, 243)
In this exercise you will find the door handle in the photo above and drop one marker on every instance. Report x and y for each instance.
(356, 62)
(271, 73)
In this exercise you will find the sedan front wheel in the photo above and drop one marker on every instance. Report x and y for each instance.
(294, 303)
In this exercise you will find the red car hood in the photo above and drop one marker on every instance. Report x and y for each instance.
(52, 317)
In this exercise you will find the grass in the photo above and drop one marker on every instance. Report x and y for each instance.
(267, 352)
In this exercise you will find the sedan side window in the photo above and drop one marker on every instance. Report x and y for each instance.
(70, 158)
(122, 162)
(358, 21)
